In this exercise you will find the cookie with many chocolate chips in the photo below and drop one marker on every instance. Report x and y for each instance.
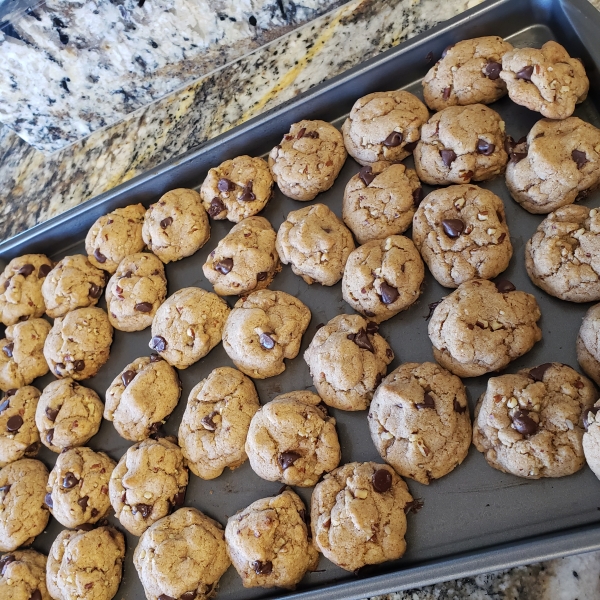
(531, 424)
(588, 343)
(23, 576)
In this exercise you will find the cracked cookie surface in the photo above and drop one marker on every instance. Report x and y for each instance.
(588, 343)
(23, 576)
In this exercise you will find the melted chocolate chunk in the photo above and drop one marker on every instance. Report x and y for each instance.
(411, 146)
(26, 270)
(155, 358)
(95, 291)
(458, 408)
(428, 402)
(484, 147)
(504, 286)
(225, 185)
(79, 365)
(43, 271)
(389, 294)
(178, 499)
(188, 596)
(417, 196)
(37, 595)
(523, 423)
(128, 377)
(165, 597)
(266, 341)
(8, 349)
(372, 327)
(144, 509)
(312, 134)
(50, 435)
(10, 392)
(158, 343)
(366, 175)
(382, 480)
(99, 256)
(453, 227)
(586, 412)
(144, 307)
(579, 157)
(492, 70)
(262, 276)
(393, 140)
(414, 506)
(448, 156)
(208, 421)
(224, 265)
(83, 502)
(5, 489)
(48, 500)
(14, 423)
(287, 459)
(216, 207)
(537, 373)
(166, 222)
(361, 339)
(5, 561)
(247, 194)
(7, 283)
(69, 481)
(262, 568)
(446, 93)
(525, 73)
(301, 133)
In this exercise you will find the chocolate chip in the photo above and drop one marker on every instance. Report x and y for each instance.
(165, 597)
(99, 256)
(50, 435)
(4, 405)
(361, 339)
(95, 291)
(44, 270)
(411, 146)
(224, 185)
(446, 93)
(382, 480)
(389, 353)
(224, 265)
(8, 349)
(492, 70)
(37, 595)
(48, 500)
(428, 402)
(262, 568)
(10, 392)
(504, 286)
(158, 343)
(301, 133)
(69, 481)
(579, 157)
(155, 358)
(94, 513)
(262, 276)
(586, 412)
(393, 140)
(26, 270)
(5, 561)
(372, 327)
(166, 222)
(266, 341)
(143, 307)
(523, 423)
(178, 498)
(414, 506)
(247, 194)
(216, 207)
(79, 365)
(537, 373)
(312, 134)
(128, 377)
(7, 283)
(287, 459)
(417, 196)
(448, 156)
(5, 489)
(516, 157)
(458, 408)
(453, 227)
(144, 509)
(366, 175)
(389, 294)
(525, 73)
(446, 49)
(188, 596)
(14, 423)
(83, 502)
(208, 421)
(484, 147)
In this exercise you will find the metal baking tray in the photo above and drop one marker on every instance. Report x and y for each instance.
(474, 520)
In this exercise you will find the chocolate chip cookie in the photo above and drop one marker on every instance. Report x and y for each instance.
(237, 189)
(23, 576)
(263, 330)
(68, 414)
(461, 144)
(547, 80)
(316, 243)
(591, 438)
(135, 292)
(557, 163)
(79, 343)
(269, 542)
(383, 277)
(142, 397)
(348, 359)
(21, 288)
(462, 234)
(358, 515)
(188, 326)
(381, 201)
(531, 424)
(292, 439)
(22, 353)
(176, 226)
(384, 127)
(308, 159)
(147, 483)
(588, 344)
(213, 430)
(482, 326)
(73, 283)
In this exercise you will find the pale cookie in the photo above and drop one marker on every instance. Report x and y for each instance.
(135, 292)
(381, 201)
(22, 356)
(237, 189)
(531, 424)
(68, 415)
(176, 226)
(79, 343)
(77, 490)
(115, 236)
(316, 243)
(462, 234)
(244, 260)
(555, 165)
(588, 343)
(482, 326)
(384, 127)
(467, 73)
(348, 359)
(188, 326)
(86, 565)
(73, 283)
(21, 288)
(263, 330)
(358, 515)
(181, 556)
(142, 397)
(215, 424)
(419, 421)
(23, 576)
(292, 439)
(308, 159)
(23, 514)
(547, 80)
(591, 438)
(269, 542)
(148, 482)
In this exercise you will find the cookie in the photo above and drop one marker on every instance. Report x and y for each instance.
(21, 288)
(68, 415)
(213, 430)
(181, 556)
(348, 359)
(237, 189)
(176, 226)
(147, 483)
(73, 283)
(419, 421)
(24, 514)
(531, 424)
(308, 159)
(462, 234)
(316, 243)
(79, 343)
(380, 201)
(135, 292)
(115, 236)
(467, 73)
(556, 164)
(142, 397)
(263, 330)
(384, 127)
(461, 144)
(22, 357)
(481, 327)
(591, 438)
(77, 490)
(588, 343)
(547, 80)
(269, 542)
(23, 576)
(188, 326)
(358, 515)
(292, 439)
(86, 565)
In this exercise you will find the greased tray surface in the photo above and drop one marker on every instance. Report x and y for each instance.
(474, 519)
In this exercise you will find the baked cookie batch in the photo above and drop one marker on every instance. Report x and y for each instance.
(540, 422)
